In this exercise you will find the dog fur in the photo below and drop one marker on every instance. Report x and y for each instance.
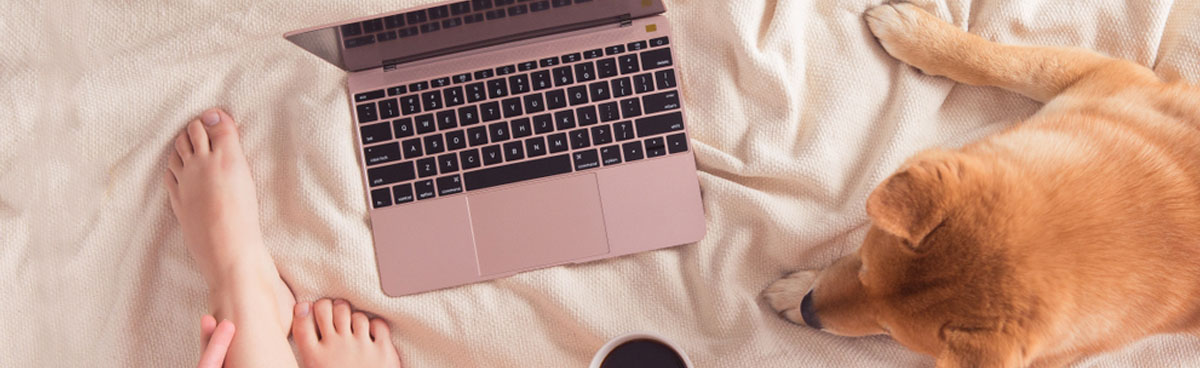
(1075, 232)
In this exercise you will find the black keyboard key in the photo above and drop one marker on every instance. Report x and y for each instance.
(643, 83)
(353, 29)
(439, 12)
(418, 86)
(397, 90)
(610, 155)
(468, 115)
(451, 23)
(534, 103)
(360, 41)
(440, 82)
(564, 119)
(550, 61)
(367, 96)
(408, 32)
(587, 115)
(416, 17)
(460, 8)
(556, 99)
(424, 189)
(366, 113)
(449, 185)
(448, 163)
(412, 148)
(388, 109)
(484, 74)
(560, 3)
(456, 140)
(621, 87)
(543, 123)
(631, 107)
(434, 144)
(677, 143)
(497, 88)
(427, 167)
(381, 198)
(462, 78)
(628, 63)
(609, 112)
(430, 27)
(539, 6)
(655, 147)
(506, 70)
(606, 67)
(469, 159)
(624, 131)
(512, 107)
(541, 80)
(599, 91)
(498, 132)
(571, 58)
(521, 128)
(386, 36)
(403, 193)
(655, 59)
(390, 174)
(481, 4)
(557, 142)
(446, 119)
(403, 127)
(592, 54)
(665, 78)
(453, 96)
(535, 147)
(659, 102)
(373, 25)
(513, 151)
(580, 139)
(655, 125)
(584, 160)
(432, 100)
(585, 71)
(425, 123)
(476, 92)
(518, 10)
(410, 104)
(563, 76)
(614, 49)
(490, 111)
(528, 65)
(518, 84)
(601, 135)
(375, 133)
(636, 46)
(661, 41)
(517, 172)
(492, 155)
(495, 14)
(382, 153)
(577, 95)
(477, 136)
(633, 151)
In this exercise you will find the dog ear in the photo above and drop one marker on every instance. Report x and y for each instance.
(914, 201)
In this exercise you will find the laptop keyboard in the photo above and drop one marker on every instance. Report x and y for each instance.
(518, 122)
(442, 17)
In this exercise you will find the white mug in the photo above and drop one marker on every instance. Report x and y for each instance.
(639, 335)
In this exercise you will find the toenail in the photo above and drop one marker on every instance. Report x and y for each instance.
(211, 118)
(302, 309)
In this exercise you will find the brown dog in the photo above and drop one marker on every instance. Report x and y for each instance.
(1076, 232)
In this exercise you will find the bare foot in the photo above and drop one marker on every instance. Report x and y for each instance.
(329, 335)
(212, 195)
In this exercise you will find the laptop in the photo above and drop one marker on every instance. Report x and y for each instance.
(501, 136)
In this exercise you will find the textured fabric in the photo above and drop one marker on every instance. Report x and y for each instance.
(795, 111)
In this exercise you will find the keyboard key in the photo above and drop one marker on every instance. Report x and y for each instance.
(498, 132)
(430, 27)
(571, 58)
(609, 112)
(521, 129)
(403, 193)
(453, 96)
(543, 123)
(468, 115)
(424, 189)
(513, 151)
(643, 83)
(655, 147)
(397, 90)
(373, 25)
(366, 113)
(659, 102)
(449, 185)
(388, 109)
(560, 3)
(408, 32)
(403, 127)
(677, 143)
(476, 92)
(635, 46)
(353, 29)
(451, 23)
(528, 65)
(477, 136)
(367, 96)
(539, 6)
(434, 144)
(556, 99)
(490, 111)
(481, 4)
(425, 123)
(655, 125)
(584, 160)
(381, 198)
(614, 49)
(550, 61)
(592, 54)
(432, 100)
(610, 155)
(427, 167)
(412, 148)
(628, 63)
(631, 107)
(448, 163)
(564, 119)
(587, 115)
(446, 119)
(623, 130)
(518, 10)
(563, 76)
(621, 87)
(665, 78)
(360, 41)
(541, 80)
(375, 133)
(492, 155)
(439, 12)
(456, 140)
(390, 174)
(557, 142)
(512, 107)
(410, 104)
(506, 70)
(606, 67)
(469, 159)
(383, 153)
(520, 171)
(577, 95)
(661, 41)
(462, 78)
(484, 74)
(518, 84)
(460, 8)
(534, 103)
(495, 14)
(535, 147)
(632, 151)
(416, 17)
(655, 59)
(580, 139)
(418, 86)
(601, 135)
(599, 91)
(497, 88)
(440, 82)
(585, 71)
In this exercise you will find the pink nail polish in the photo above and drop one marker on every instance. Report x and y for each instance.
(211, 118)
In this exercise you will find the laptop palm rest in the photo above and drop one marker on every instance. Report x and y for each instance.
(537, 225)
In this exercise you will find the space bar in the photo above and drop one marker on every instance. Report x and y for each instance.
(520, 171)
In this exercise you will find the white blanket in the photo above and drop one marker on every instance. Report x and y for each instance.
(795, 111)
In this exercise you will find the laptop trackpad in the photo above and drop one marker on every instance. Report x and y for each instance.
(538, 224)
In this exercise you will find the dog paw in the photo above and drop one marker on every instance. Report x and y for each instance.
(911, 34)
(784, 295)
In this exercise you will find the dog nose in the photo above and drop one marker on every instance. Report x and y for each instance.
(809, 312)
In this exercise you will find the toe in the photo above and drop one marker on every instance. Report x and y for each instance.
(380, 331)
(183, 145)
(175, 163)
(323, 312)
(198, 136)
(303, 328)
(361, 325)
(222, 131)
(208, 324)
(341, 316)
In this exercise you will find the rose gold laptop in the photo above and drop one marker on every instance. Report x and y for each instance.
(500, 136)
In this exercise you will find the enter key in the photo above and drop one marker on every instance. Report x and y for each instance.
(661, 102)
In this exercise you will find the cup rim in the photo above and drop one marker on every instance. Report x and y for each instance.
(636, 335)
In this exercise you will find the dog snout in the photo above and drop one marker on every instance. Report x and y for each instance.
(808, 312)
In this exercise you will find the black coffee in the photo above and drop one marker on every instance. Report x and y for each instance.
(642, 353)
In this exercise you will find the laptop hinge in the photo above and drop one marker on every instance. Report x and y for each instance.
(626, 20)
(390, 67)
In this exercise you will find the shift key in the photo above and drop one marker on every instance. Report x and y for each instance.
(660, 102)
(659, 124)
(391, 174)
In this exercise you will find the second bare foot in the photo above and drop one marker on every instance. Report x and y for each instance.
(329, 334)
